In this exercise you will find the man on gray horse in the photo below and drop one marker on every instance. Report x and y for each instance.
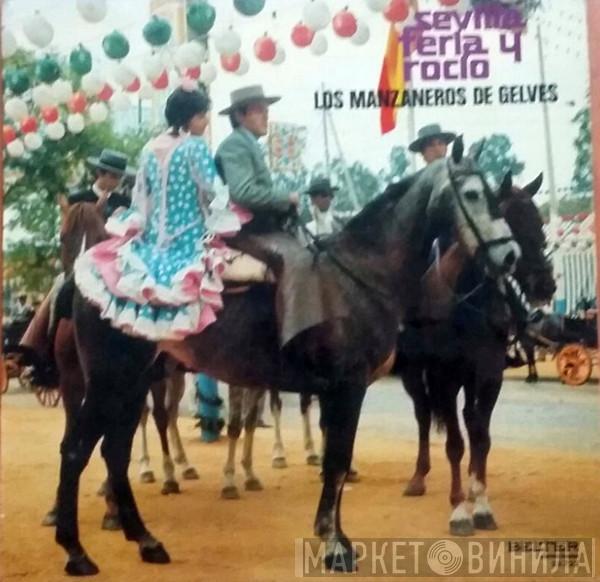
(432, 142)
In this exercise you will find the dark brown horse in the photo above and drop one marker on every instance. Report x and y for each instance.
(376, 263)
(468, 349)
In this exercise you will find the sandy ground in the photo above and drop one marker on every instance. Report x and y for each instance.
(535, 492)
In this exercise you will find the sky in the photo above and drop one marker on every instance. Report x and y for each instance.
(347, 67)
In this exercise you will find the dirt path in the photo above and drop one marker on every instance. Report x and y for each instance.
(533, 493)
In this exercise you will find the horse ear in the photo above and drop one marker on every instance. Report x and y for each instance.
(533, 188)
(507, 186)
(458, 149)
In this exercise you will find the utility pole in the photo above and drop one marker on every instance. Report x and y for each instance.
(326, 138)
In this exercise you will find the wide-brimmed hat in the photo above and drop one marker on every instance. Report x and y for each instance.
(321, 186)
(112, 161)
(247, 95)
(433, 131)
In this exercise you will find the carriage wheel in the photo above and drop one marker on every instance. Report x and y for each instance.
(49, 397)
(4, 378)
(574, 364)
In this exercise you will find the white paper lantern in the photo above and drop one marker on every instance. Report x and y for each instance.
(244, 67)
(55, 131)
(208, 73)
(43, 95)
(92, 83)
(362, 34)
(62, 90)
(15, 148)
(16, 108)
(146, 91)
(378, 5)
(98, 112)
(279, 55)
(189, 55)
(228, 42)
(9, 44)
(120, 102)
(153, 66)
(318, 46)
(38, 30)
(92, 10)
(316, 14)
(33, 141)
(75, 123)
(123, 74)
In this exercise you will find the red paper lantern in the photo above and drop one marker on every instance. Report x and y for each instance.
(50, 114)
(302, 35)
(105, 93)
(232, 62)
(344, 24)
(134, 86)
(193, 73)
(449, 2)
(398, 10)
(162, 81)
(29, 125)
(9, 134)
(265, 49)
(77, 102)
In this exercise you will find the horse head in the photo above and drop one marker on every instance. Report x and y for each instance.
(533, 270)
(82, 227)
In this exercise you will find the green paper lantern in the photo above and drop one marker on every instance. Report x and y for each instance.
(157, 32)
(201, 17)
(249, 7)
(115, 45)
(17, 81)
(47, 70)
(80, 60)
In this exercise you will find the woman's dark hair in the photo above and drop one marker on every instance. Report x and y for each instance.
(182, 105)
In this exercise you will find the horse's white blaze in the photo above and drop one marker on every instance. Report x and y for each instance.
(461, 513)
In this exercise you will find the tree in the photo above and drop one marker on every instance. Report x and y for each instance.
(582, 176)
(497, 158)
(399, 164)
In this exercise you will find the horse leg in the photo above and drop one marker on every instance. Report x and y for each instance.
(412, 379)
(312, 458)
(175, 392)
(234, 429)
(252, 398)
(532, 375)
(278, 459)
(146, 473)
(341, 411)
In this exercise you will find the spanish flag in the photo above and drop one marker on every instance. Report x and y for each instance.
(391, 78)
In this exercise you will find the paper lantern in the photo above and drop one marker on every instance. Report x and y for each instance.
(316, 15)
(344, 24)
(162, 81)
(105, 93)
(9, 133)
(77, 103)
(43, 95)
(302, 35)
(193, 73)
(29, 124)
(15, 149)
(92, 83)
(152, 66)
(377, 5)
(80, 60)
(75, 123)
(120, 102)
(244, 67)
(115, 45)
(92, 10)
(249, 7)
(200, 17)
(208, 73)
(319, 44)
(231, 63)
(98, 112)
(279, 55)
(55, 131)
(228, 42)
(397, 10)
(157, 32)
(189, 55)
(362, 34)
(47, 70)
(50, 114)
(38, 30)
(16, 108)
(265, 49)
(17, 80)
(62, 90)
(123, 74)
(33, 141)
(9, 44)
(134, 85)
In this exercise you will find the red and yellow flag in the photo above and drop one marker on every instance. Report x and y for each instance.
(391, 78)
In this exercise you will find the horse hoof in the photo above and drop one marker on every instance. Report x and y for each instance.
(147, 477)
(155, 554)
(279, 463)
(81, 565)
(414, 489)
(462, 527)
(50, 518)
(352, 476)
(230, 492)
(190, 474)
(170, 487)
(531, 379)
(484, 521)
(111, 523)
(341, 560)
(253, 485)
(314, 460)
